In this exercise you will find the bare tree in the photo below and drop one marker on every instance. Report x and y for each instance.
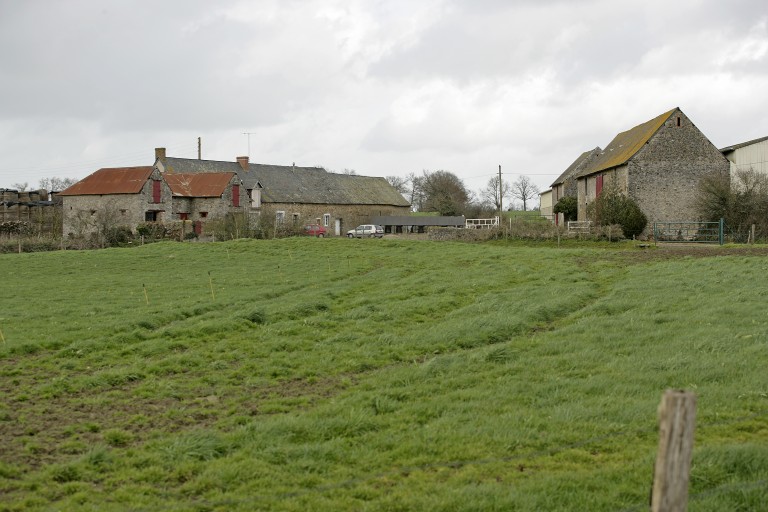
(494, 192)
(416, 191)
(524, 189)
(56, 184)
(399, 183)
(21, 187)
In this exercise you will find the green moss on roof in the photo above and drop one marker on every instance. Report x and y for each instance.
(626, 144)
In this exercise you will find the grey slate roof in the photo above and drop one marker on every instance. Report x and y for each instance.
(305, 185)
(584, 159)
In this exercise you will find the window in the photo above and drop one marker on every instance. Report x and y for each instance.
(183, 216)
(295, 218)
(122, 211)
(203, 215)
(150, 216)
(236, 196)
(678, 120)
(93, 212)
(327, 219)
(155, 191)
(279, 216)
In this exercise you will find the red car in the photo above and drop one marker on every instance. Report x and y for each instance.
(314, 230)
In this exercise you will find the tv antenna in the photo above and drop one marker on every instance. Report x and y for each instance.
(249, 141)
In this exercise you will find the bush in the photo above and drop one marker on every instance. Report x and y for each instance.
(613, 207)
(117, 235)
(741, 201)
(154, 230)
(568, 206)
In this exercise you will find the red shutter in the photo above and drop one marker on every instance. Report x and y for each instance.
(598, 185)
(235, 195)
(156, 191)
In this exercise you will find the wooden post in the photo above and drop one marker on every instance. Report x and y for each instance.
(752, 232)
(677, 415)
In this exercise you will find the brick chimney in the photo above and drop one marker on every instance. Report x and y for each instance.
(160, 154)
(243, 161)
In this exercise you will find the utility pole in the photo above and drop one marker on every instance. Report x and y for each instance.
(249, 141)
(199, 148)
(501, 193)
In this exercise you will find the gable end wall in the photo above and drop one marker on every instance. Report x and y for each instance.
(664, 176)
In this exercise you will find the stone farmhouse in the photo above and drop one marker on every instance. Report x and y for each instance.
(295, 195)
(748, 155)
(129, 196)
(184, 189)
(658, 164)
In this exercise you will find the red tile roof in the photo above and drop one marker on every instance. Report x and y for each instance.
(204, 184)
(114, 180)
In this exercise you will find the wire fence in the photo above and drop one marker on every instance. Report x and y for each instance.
(184, 501)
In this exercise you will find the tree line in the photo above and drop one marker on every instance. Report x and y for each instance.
(445, 193)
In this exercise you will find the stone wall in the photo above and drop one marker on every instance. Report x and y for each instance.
(664, 176)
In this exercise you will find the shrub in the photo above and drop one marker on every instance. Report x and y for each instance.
(118, 235)
(741, 201)
(568, 206)
(613, 207)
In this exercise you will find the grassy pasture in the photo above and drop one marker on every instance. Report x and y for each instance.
(308, 374)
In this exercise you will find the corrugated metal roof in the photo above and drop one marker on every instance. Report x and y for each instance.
(203, 184)
(743, 144)
(626, 144)
(293, 184)
(577, 165)
(112, 180)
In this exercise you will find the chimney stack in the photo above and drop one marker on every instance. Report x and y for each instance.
(243, 161)
(160, 154)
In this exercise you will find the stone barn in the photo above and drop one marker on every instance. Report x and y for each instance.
(658, 164)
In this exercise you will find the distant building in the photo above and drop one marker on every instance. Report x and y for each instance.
(565, 185)
(545, 205)
(748, 155)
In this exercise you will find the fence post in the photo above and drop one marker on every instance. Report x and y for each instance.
(677, 415)
(722, 228)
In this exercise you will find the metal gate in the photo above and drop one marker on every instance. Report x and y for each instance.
(689, 232)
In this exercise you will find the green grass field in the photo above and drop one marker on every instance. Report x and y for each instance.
(310, 374)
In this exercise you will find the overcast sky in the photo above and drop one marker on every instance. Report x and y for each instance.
(384, 87)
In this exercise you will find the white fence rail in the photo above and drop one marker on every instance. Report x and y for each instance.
(481, 223)
(579, 225)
